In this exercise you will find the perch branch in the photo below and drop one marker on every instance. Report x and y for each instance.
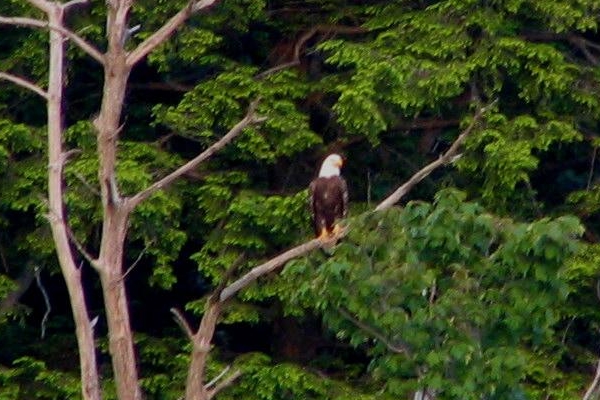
(267, 267)
(444, 159)
(75, 38)
(250, 119)
(24, 83)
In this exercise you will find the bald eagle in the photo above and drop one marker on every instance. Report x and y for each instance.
(328, 198)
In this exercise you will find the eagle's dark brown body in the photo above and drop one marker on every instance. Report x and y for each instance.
(329, 202)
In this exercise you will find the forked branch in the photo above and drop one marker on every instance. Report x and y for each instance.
(250, 119)
(161, 35)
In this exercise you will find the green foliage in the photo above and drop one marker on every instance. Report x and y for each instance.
(460, 297)
(30, 378)
(216, 105)
(505, 152)
(264, 380)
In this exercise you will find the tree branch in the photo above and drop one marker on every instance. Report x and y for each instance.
(73, 239)
(444, 159)
(267, 267)
(594, 385)
(161, 35)
(24, 83)
(75, 38)
(250, 119)
(183, 324)
(40, 285)
(218, 377)
(224, 383)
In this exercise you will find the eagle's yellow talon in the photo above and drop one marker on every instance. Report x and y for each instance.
(337, 229)
(324, 236)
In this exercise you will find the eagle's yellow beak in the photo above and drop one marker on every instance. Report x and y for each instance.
(339, 163)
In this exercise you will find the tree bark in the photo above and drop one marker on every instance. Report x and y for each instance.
(115, 210)
(85, 336)
(194, 388)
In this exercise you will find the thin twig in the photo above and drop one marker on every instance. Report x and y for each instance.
(224, 383)
(218, 377)
(72, 3)
(183, 324)
(71, 235)
(137, 260)
(75, 38)
(428, 169)
(594, 385)
(250, 119)
(24, 83)
(396, 348)
(38, 280)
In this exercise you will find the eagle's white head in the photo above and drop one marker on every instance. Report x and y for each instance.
(331, 166)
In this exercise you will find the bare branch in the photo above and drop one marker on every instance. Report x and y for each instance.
(396, 348)
(224, 383)
(24, 83)
(183, 324)
(442, 160)
(250, 119)
(40, 285)
(136, 262)
(218, 377)
(73, 3)
(73, 239)
(75, 38)
(594, 385)
(161, 35)
(267, 267)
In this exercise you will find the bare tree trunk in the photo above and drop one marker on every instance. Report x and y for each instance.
(85, 335)
(194, 388)
(116, 212)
